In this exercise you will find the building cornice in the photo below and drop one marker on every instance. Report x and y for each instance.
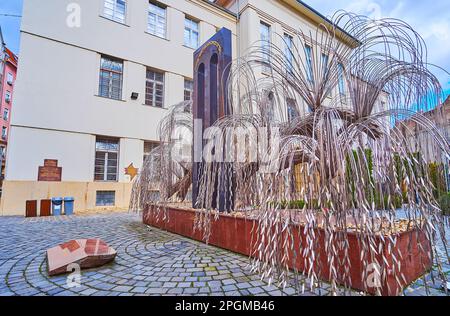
(318, 19)
(305, 11)
(217, 9)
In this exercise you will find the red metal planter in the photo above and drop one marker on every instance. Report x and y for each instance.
(235, 234)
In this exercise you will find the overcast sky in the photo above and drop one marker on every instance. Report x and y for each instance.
(430, 18)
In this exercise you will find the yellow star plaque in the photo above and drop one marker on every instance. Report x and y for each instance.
(131, 171)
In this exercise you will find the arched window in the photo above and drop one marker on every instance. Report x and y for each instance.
(201, 92)
(213, 87)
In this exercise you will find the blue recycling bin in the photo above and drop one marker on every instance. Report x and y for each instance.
(57, 206)
(68, 205)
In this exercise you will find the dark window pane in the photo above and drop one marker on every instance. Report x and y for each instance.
(105, 198)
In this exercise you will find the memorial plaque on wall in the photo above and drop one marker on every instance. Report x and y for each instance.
(50, 171)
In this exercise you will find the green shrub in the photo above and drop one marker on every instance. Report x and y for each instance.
(396, 200)
(444, 203)
(296, 204)
(436, 173)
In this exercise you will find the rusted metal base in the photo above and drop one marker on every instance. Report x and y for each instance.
(235, 234)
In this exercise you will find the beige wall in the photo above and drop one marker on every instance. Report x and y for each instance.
(75, 153)
(57, 113)
(69, 72)
(84, 193)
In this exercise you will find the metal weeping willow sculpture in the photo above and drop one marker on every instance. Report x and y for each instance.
(319, 156)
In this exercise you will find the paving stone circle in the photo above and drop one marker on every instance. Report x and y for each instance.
(149, 261)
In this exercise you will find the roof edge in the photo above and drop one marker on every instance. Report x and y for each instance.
(220, 7)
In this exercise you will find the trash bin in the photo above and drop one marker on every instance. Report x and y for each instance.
(57, 206)
(68, 205)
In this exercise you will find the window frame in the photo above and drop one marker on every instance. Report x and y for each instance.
(154, 83)
(187, 27)
(114, 17)
(289, 52)
(9, 78)
(325, 60)
(104, 205)
(160, 6)
(8, 96)
(266, 44)
(6, 111)
(110, 78)
(292, 111)
(309, 62)
(106, 159)
(154, 144)
(341, 80)
(189, 90)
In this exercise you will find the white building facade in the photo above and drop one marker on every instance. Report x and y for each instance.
(96, 77)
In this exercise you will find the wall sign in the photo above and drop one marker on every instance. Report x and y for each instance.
(50, 171)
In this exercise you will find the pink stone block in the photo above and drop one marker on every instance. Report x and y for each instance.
(87, 253)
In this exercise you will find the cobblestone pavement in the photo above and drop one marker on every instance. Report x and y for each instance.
(149, 261)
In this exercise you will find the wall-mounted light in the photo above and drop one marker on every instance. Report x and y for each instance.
(134, 96)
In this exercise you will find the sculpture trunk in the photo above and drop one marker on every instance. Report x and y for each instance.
(211, 71)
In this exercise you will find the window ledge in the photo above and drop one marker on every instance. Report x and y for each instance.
(154, 107)
(194, 49)
(99, 96)
(159, 37)
(109, 19)
(106, 181)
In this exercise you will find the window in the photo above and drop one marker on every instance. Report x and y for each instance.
(9, 78)
(8, 97)
(111, 74)
(148, 148)
(115, 10)
(6, 114)
(2, 153)
(341, 79)
(188, 89)
(191, 33)
(289, 52)
(154, 88)
(105, 198)
(265, 45)
(106, 159)
(292, 109)
(309, 63)
(270, 104)
(157, 20)
(4, 132)
(325, 73)
(325, 65)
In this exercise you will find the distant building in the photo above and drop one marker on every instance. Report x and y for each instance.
(420, 139)
(89, 96)
(2, 69)
(8, 71)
